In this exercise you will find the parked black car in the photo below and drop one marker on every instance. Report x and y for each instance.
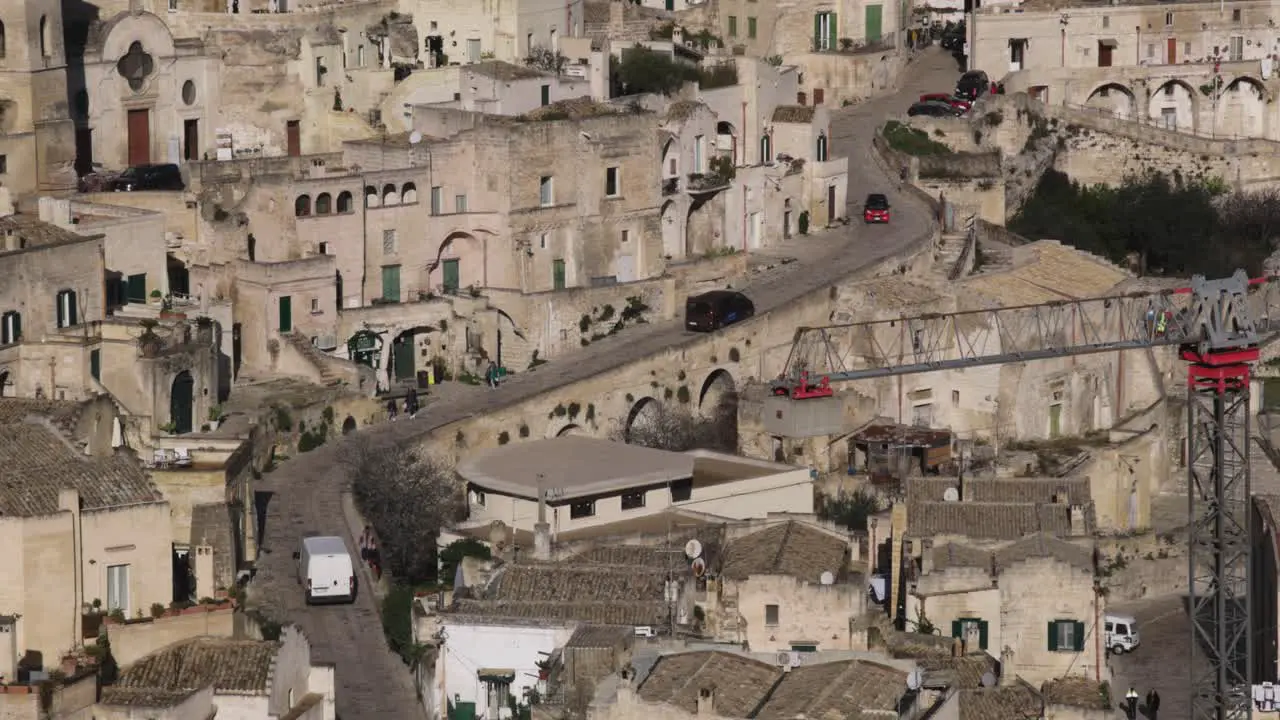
(165, 176)
(716, 309)
(934, 108)
(973, 84)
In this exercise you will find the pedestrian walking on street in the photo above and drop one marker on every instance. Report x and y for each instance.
(491, 374)
(1131, 704)
(1153, 704)
(365, 538)
(411, 403)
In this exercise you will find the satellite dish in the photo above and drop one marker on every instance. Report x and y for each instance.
(988, 679)
(915, 679)
(415, 137)
(827, 578)
(951, 495)
(699, 567)
(693, 549)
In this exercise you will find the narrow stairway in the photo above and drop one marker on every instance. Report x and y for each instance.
(317, 358)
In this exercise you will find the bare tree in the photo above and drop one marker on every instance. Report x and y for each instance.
(678, 430)
(407, 497)
(546, 59)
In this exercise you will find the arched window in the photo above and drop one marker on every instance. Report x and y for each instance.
(822, 148)
(324, 204)
(2, 40)
(409, 193)
(344, 202)
(302, 206)
(10, 327)
(766, 149)
(389, 195)
(46, 37)
(370, 196)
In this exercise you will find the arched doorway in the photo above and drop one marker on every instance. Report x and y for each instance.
(1113, 98)
(404, 353)
(1242, 109)
(727, 139)
(348, 425)
(672, 246)
(716, 389)
(365, 348)
(456, 255)
(182, 403)
(643, 419)
(1174, 106)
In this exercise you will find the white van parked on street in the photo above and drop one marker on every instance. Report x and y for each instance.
(326, 571)
(1122, 634)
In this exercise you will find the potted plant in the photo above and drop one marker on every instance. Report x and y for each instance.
(204, 329)
(149, 342)
(155, 297)
(215, 417)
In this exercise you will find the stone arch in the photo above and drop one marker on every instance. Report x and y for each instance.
(370, 196)
(571, 429)
(460, 247)
(715, 390)
(324, 204)
(390, 196)
(348, 425)
(182, 402)
(406, 361)
(409, 193)
(643, 413)
(1175, 105)
(344, 202)
(302, 206)
(46, 37)
(1242, 108)
(727, 138)
(1114, 98)
(672, 242)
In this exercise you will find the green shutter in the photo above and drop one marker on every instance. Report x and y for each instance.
(95, 364)
(832, 31)
(452, 276)
(286, 314)
(391, 283)
(1079, 636)
(1053, 636)
(557, 274)
(957, 629)
(982, 634)
(136, 291)
(874, 15)
(817, 31)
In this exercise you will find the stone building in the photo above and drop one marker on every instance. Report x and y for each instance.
(1033, 603)
(83, 522)
(244, 679)
(459, 32)
(36, 133)
(1200, 68)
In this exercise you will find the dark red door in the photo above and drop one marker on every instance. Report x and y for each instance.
(818, 96)
(1104, 54)
(294, 138)
(191, 140)
(1173, 51)
(139, 137)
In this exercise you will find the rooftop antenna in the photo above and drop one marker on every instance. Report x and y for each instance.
(988, 679)
(415, 137)
(827, 578)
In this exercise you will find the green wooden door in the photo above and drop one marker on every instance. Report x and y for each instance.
(286, 314)
(391, 283)
(136, 291)
(451, 276)
(875, 18)
(402, 356)
(557, 274)
(95, 364)
(1055, 420)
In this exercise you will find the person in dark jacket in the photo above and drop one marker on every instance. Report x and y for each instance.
(1153, 704)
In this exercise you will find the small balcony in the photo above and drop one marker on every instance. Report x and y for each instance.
(706, 184)
(670, 186)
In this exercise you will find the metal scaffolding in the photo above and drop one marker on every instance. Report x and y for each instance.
(1217, 325)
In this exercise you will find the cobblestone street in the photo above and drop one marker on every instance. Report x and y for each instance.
(1163, 661)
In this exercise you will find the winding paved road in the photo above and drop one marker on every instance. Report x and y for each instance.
(307, 490)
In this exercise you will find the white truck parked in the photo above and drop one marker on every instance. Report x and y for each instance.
(326, 571)
(1122, 634)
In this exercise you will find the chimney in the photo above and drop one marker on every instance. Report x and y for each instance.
(926, 557)
(542, 529)
(1076, 513)
(1007, 675)
(706, 702)
(69, 500)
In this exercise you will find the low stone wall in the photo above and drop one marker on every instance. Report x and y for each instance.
(846, 78)
(990, 232)
(135, 639)
(1142, 566)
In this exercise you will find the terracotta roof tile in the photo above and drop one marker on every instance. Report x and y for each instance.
(793, 114)
(835, 689)
(236, 667)
(1014, 702)
(992, 521)
(1002, 490)
(599, 613)
(576, 583)
(36, 462)
(957, 555)
(740, 684)
(1075, 691)
(962, 673)
(599, 636)
(34, 232)
(790, 548)
(1045, 546)
(63, 414)
(144, 697)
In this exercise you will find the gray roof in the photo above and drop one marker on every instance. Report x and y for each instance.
(1038, 545)
(234, 667)
(573, 466)
(599, 636)
(1073, 490)
(740, 683)
(835, 690)
(790, 548)
(503, 71)
(990, 520)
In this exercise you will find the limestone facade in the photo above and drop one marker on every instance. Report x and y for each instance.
(36, 134)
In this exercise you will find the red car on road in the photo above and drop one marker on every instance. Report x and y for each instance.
(875, 209)
(960, 104)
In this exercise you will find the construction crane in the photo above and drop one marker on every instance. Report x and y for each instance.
(1218, 327)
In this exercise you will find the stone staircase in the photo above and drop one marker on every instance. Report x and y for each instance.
(322, 362)
(950, 253)
(995, 257)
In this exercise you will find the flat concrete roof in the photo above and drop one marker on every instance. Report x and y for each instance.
(573, 466)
